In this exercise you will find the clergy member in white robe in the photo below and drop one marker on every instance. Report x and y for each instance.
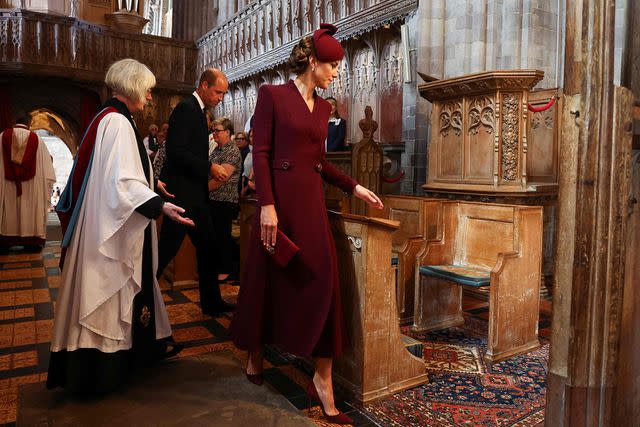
(26, 180)
(110, 316)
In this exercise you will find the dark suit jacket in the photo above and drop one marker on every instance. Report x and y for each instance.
(187, 165)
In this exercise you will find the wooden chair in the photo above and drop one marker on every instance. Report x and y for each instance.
(418, 219)
(499, 246)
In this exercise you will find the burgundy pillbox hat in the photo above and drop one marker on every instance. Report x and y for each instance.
(328, 49)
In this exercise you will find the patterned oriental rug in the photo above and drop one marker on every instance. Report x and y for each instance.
(464, 390)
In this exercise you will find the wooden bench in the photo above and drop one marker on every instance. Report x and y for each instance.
(418, 219)
(499, 246)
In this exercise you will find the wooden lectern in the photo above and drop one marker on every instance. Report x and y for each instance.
(377, 364)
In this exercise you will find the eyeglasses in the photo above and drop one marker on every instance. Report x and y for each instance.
(218, 130)
(240, 138)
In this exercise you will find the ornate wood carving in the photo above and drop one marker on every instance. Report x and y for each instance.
(451, 118)
(510, 134)
(367, 160)
(83, 51)
(482, 115)
(298, 18)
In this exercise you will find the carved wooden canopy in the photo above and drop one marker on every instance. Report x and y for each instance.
(480, 83)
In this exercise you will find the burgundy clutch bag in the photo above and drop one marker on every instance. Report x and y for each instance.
(283, 251)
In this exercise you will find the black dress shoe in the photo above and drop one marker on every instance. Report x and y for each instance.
(218, 309)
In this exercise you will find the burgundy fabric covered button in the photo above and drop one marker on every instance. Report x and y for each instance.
(328, 49)
(319, 167)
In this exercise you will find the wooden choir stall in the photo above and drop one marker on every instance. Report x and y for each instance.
(377, 364)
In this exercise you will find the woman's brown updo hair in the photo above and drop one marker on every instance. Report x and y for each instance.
(299, 58)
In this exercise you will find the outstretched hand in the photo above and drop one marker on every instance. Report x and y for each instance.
(162, 187)
(368, 196)
(173, 212)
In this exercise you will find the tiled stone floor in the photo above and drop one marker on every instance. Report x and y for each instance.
(28, 288)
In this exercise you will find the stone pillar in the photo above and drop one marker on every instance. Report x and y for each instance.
(588, 295)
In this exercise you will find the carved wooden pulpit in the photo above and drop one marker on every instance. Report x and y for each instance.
(479, 137)
(377, 363)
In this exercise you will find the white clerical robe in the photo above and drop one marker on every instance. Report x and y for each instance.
(26, 216)
(103, 266)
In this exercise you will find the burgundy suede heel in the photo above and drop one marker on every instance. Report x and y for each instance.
(339, 418)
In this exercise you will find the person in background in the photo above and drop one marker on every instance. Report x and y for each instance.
(247, 184)
(151, 141)
(161, 154)
(187, 171)
(337, 128)
(212, 138)
(110, 318)
(223, 195)
(26, 179)
(242, 142)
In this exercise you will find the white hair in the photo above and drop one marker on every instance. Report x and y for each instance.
(130, 78)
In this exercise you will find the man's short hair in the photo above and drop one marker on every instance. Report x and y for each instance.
(130, 78)
(225, 123)
(211, 76)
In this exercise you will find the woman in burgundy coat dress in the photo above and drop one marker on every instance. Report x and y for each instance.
(296, 307)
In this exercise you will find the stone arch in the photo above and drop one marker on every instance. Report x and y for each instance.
(67, 130)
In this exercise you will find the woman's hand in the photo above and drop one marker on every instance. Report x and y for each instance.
(268, 225)
(173, 212)
(368, 196)
(162, 187)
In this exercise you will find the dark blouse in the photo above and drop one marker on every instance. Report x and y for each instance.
(335, 137)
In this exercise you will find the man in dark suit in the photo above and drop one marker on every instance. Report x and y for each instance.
(187, 172)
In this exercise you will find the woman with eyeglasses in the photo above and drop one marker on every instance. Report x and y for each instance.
(223, 194)
(296, 307)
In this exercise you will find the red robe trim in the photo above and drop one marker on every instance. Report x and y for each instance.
(25, 171)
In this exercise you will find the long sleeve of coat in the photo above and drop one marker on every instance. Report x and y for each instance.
(263, 119)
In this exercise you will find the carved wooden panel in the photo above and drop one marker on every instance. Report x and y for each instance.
(451, 146)
(543, 136)
(390, 91)
(481, 131)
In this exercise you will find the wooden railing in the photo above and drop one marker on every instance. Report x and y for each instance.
(41, 44)
(262, 35)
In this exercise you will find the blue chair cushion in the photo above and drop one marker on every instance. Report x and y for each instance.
(461, 274)
(394, 260)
